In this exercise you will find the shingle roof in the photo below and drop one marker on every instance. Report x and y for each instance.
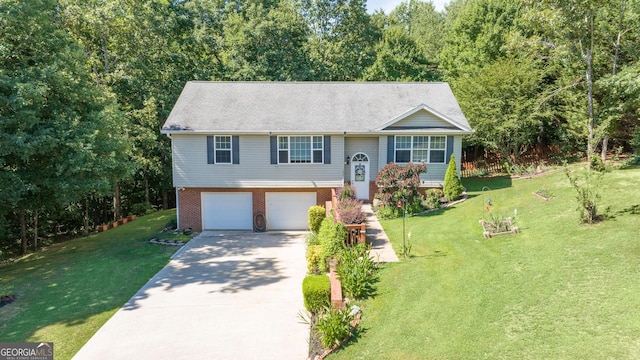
(309, 107)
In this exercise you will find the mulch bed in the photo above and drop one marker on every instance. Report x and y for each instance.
(7, 299)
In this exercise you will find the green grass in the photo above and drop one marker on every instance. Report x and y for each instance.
(66, 292)
(557, 290)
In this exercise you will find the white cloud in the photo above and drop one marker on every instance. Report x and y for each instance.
(388, 5)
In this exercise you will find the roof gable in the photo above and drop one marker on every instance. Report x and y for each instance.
(423, 117)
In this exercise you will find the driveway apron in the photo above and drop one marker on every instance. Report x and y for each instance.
(225, 295)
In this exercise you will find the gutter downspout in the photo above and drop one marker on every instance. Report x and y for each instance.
(177, 209)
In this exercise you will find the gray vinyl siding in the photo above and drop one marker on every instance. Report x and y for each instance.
(368, 146)
(435, 172)
(190, 168)
(422, 119)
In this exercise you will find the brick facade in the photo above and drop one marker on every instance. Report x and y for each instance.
(190, 206)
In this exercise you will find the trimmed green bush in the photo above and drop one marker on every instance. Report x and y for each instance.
(452, 185)
(332, 236)
(314, 256)
(315, 216)
(316, 290)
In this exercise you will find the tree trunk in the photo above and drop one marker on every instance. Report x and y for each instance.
(616, 55)
(85, 216)
(605, 144)
(117, 208)
(147, 199)
(35, 230)
(23, 231)
(165, 199)
(589, 75)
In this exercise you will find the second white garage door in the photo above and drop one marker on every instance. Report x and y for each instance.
(227, 211)
(288, 210)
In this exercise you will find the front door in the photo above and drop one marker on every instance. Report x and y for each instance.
(360, 175)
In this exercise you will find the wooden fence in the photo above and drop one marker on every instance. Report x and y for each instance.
(490, 163)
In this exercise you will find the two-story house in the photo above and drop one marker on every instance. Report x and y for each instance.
(270, 150)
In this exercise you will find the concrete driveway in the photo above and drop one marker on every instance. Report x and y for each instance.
(225, 295)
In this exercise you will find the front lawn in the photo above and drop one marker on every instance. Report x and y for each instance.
(556, 290)
(66, 292)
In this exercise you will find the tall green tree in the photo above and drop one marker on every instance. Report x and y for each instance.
(475, 34)
(265, 43)
(341, 45)
(594, 32)
(398, 58)
(423, 24)
(500, 101)
(59, 133)
(135, 49)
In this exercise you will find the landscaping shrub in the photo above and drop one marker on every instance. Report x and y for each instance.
(332, 236)
(314, 256)
(315, 216)
(334, 326)
(350, 211)
(387, 212)
(433, 198)
(396, 182)
(357, 271)
(452, 185)
(346, 192)
(316, 290)
(586, 186)
(312, 238)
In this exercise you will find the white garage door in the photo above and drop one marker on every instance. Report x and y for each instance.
(227, 211)
(288, 211)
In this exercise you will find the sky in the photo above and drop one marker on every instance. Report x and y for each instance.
(388, 5)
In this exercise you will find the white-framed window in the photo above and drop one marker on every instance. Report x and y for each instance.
(437, 149)
(300, 149)
(416, 149)
(222, 149)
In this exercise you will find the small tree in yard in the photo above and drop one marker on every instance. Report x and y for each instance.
(396, 182)
(452, 185)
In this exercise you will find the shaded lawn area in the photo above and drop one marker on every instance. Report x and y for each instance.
(66, 292)
(556, 290)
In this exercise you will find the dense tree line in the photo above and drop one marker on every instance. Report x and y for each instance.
(86, 84)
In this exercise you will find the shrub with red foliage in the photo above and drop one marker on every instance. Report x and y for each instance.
(395, 181)
(350, 211)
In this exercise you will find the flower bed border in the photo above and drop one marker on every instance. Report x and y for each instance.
(488, 234)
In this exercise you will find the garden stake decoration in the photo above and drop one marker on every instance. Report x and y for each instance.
(485, 188)
(401, 204)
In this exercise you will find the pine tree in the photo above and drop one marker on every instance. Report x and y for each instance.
(452, 185)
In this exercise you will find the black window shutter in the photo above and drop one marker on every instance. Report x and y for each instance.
(274, 149)
(449, 148)
(390, 148)
(210, 150)
(327, 149)
(235, 149)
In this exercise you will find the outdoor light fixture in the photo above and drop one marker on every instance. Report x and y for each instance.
(347, 160)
